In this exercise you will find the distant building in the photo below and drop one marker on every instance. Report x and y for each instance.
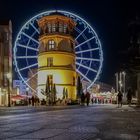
(97, 87)
(5, 61)
(134, 56)
(21, 86)
(131, 58)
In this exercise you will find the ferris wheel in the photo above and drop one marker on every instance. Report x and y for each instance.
(88, 49)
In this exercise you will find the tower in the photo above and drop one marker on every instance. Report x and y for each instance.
(56, 58)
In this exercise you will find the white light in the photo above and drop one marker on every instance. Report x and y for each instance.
(8, 75)
(123, 73)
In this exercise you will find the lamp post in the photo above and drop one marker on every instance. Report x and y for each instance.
(27, 93)
(124, 74)
(116, 74)
(8, 76)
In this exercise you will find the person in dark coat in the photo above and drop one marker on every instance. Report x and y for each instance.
(33, 100)
(87, 98)
(120, 98)
(82, 98)
(129, 96)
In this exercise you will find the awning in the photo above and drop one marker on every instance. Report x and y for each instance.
(17, 97)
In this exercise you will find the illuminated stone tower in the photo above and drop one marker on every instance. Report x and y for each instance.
(56, 58)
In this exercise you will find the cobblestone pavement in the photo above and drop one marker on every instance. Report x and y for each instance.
(97, 122)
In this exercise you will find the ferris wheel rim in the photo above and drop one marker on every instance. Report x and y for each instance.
(39, 15)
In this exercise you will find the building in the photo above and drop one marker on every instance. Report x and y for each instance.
(56, 59)
(134, 57)
(131, 58)
(5, 62)
(21, 86)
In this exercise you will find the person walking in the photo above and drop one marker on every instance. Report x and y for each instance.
(119, 98)
(87, 98)
(129, 96)
(82, 98)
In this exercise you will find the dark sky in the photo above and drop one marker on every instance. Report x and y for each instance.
(109, 18)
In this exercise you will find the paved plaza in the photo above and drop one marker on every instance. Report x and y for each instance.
(96, 122)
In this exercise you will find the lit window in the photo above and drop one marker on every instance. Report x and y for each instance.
(51, 44)
(60, 27)
(65, 28)
(50, 77)
(53, 27)
(49, 61)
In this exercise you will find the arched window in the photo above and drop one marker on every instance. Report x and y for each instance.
(60, 27)
(53, 27)
(65, 28)
(51, 44)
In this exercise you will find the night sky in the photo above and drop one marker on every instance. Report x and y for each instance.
(109, 18)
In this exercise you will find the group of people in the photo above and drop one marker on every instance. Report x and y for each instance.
(34, 101)
(85, 98)
(120, 97)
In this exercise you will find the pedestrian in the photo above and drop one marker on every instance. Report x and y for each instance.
(92, 100)
(87, 98)
(129, 96)
(82, 98)
(120, 98)
(29, 101)
(33, 100)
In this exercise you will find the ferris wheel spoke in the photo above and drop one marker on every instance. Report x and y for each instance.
(85, 42)
(36, 64)
(80, 33)
(89, 50)
(90, 59)
(23, 57)
(83, 75)
(30, 37)
(88, 68)
(34, 27)
(31, 77)
(24, 46)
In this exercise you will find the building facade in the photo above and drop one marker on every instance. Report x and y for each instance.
(56, 59)
(5, 62)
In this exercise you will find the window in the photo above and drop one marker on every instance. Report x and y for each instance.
(73, 81)
(53, 27)
(60, 27)
(50, 78)
(65, 28)
(49, 61)
(51, 44)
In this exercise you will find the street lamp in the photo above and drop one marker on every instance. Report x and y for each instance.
(124, 74)
(116, 74)
(27, 93)
(8, 76)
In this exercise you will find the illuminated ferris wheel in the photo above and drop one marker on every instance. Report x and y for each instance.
(88, 49)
